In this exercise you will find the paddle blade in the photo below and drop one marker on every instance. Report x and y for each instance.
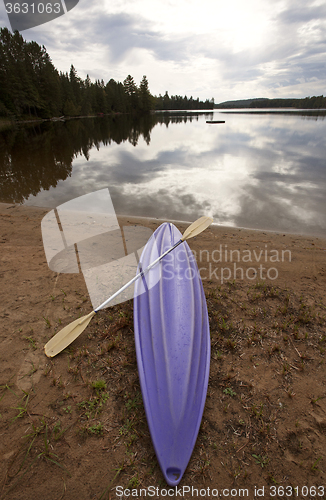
(197, 227)
(67, 335)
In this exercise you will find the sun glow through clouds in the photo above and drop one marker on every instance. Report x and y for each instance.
(226, 50)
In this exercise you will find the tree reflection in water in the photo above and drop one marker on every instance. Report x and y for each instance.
(36, 156)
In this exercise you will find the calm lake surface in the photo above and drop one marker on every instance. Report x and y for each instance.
(257, 170)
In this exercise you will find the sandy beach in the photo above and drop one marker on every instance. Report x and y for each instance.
(264, 424)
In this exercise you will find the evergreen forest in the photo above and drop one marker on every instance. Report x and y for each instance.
(31, 87)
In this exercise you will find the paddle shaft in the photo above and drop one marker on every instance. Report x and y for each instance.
(142, 273)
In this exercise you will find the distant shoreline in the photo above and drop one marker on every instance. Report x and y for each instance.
(275, 111)
(10, 122)
(314, 102)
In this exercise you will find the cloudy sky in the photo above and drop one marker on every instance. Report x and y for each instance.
(226, 49)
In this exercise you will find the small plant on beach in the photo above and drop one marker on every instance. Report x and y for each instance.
(133, 482)
(5, 388)
(257, 411)
(95, 430)
(99, 385)
(22, 407)
(93, 406)
(230, 343)
(32, 342)
(262, 461)
(314, 467)
(133, 404)
(285, 369)
(57, 431)
(126, 428)
(313, 401)
(223, 325)
(229, 391)
(217, 354)
(96, 403)
(47, 321)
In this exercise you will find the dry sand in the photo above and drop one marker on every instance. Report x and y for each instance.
(264, 424)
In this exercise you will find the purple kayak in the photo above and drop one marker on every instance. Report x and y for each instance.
(173, 350)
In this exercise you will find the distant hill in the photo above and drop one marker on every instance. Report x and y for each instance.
(263, 102)
(242, 103)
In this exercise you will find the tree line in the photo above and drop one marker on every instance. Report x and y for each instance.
(177, 102)
(314, 102)
(31, 87)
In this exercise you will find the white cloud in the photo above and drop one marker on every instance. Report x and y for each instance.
(207, 48)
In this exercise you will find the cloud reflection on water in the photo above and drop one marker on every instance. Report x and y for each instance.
(258, 171)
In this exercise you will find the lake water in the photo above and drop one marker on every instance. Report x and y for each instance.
(257, 170)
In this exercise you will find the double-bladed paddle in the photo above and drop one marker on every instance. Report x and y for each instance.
(70, 332)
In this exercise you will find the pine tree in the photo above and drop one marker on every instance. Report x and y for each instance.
(145, 97)
(131, 91)
(76, 85)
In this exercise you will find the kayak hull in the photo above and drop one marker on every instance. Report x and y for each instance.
(173, 350)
